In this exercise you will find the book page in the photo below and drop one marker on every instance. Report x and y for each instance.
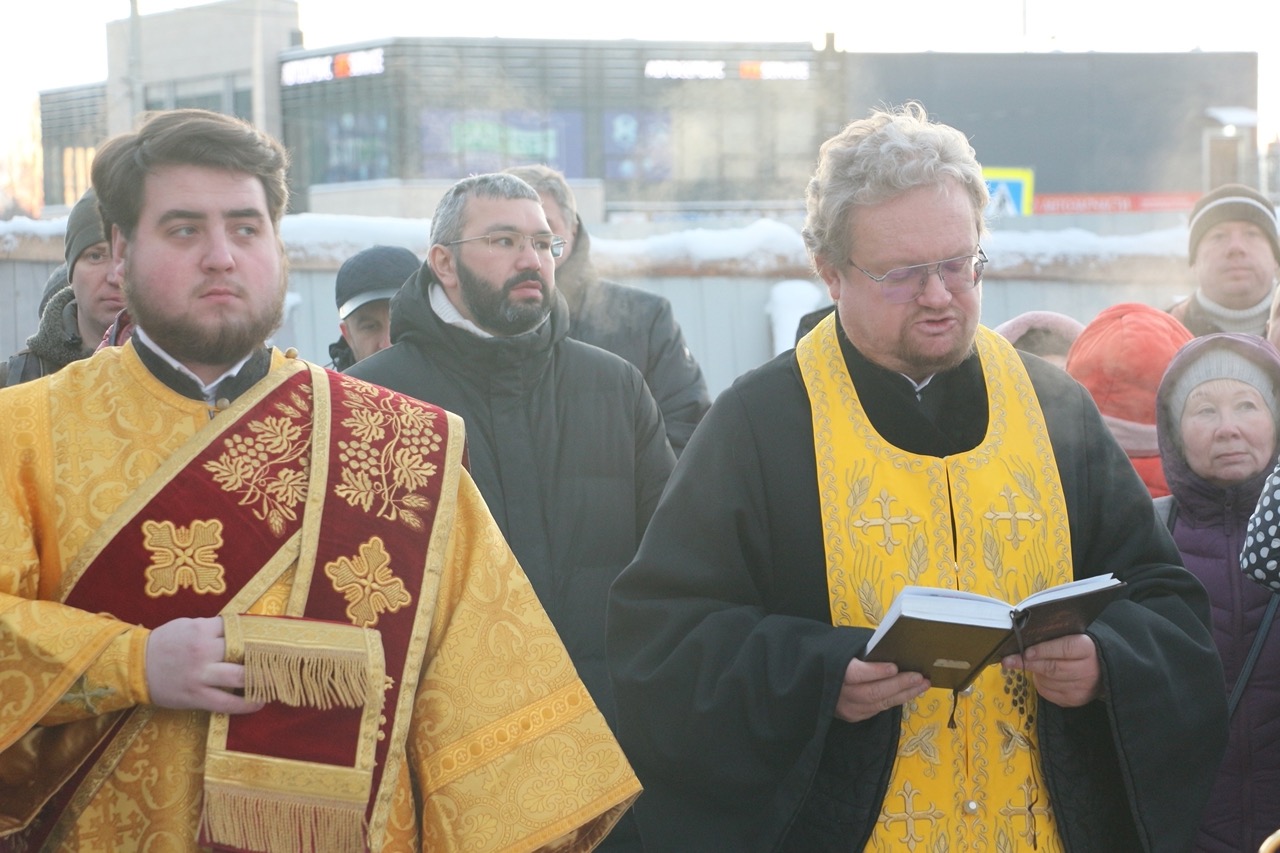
(1077, 587)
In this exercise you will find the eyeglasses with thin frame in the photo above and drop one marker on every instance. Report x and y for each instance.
(904, 284)
(512, 242)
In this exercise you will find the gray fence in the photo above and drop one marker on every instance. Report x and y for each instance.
(721, 283)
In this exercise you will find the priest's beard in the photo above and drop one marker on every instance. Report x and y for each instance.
(493, 309)
(223, 341)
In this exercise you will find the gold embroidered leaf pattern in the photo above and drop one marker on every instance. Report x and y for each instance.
(356, 487)
(1011, 740)
(917, 558)
(289, 488)
(1023, 477)
(412, 471)
(268, 467)
(368, 584)
(230, 472)
(869, 601)
(991, 554)
(385, 466)
(276, 435)
(368, 425)
(924, 744)
(859, 488)
(183, 557)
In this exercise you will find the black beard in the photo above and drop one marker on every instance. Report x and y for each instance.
(492, 308)
(191, 343)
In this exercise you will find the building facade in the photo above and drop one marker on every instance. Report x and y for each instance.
(665, 129)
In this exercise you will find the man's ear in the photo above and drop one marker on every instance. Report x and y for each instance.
(342, 327)
(119, 246)
(443, 264)
(830, 276)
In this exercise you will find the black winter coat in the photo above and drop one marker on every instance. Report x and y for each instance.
(565, 443)
(641, 327)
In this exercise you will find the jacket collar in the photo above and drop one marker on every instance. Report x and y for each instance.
(518, 360)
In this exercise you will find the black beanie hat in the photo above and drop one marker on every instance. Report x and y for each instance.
(1233, 203)
(84, 229)
(372, 274)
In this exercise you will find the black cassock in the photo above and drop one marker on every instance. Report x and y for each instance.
(726, 666)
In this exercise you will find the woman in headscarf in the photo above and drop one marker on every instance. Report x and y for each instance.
(1217, 426)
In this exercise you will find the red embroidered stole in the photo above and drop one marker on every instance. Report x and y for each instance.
(343, 480)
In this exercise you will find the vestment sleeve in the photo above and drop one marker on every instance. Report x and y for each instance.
(60, 663)
(508, 749)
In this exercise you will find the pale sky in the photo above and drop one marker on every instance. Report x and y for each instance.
(63, 42)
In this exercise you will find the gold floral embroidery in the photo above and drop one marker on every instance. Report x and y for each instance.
(368, 584)
(183, 557)
(268, 468)
(385, 463)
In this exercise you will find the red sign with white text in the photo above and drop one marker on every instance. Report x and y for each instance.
(1051, 203)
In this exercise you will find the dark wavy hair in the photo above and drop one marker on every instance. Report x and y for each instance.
(186, 137)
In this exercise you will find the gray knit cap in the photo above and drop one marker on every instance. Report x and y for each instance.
(84, 229)
(1221, 363)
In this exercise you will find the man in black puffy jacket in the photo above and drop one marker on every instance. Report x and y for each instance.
(565, 441)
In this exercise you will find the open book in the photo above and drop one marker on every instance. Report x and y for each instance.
(949, 635)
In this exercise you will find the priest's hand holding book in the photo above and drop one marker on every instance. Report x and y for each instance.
(948, 637)
(1065, 670)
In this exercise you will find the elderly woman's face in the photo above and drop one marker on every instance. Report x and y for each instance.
(1228, 434)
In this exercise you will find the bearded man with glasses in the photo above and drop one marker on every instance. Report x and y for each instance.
(565, 441)
(902, 443)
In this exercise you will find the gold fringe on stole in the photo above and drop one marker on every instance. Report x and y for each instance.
(251, 819)
(302, 663)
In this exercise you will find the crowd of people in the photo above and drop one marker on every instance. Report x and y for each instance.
(502, 576)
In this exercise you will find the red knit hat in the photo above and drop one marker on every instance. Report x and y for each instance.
(1120, 358)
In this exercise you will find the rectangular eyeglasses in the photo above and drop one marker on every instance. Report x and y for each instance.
(904, 284)
(512, 242)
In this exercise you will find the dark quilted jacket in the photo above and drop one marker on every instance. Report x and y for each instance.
(1209, 528)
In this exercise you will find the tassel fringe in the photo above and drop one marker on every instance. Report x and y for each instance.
(246, 820)
(298, 677)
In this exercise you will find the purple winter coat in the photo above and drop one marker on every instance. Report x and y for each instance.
(1209, 529)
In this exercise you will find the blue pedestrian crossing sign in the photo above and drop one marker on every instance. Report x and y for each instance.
(1012, 192)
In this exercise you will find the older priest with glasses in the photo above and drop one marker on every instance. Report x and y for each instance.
(247, 603)
(902, 443)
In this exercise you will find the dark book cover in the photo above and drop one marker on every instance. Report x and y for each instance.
(950, 637)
